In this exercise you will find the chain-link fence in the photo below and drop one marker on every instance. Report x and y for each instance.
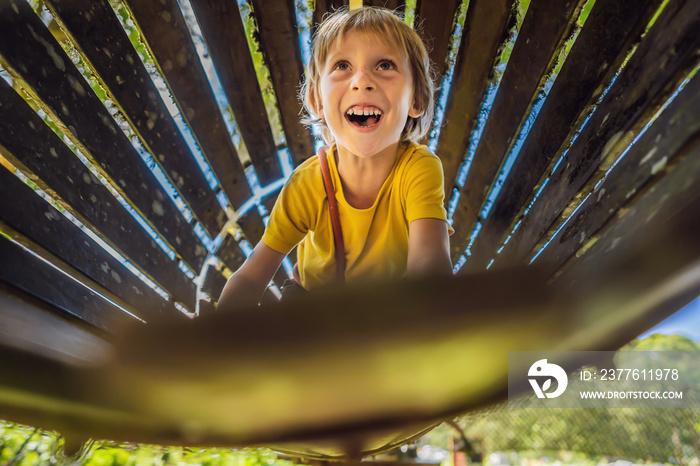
(635, 434)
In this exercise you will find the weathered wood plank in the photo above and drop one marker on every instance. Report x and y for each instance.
(50, 283)
(230, 253)
(676, 128)
(669, 213)
(610, 30)
(321, 7)
(280, 277)
(279, 43)
(214, 282)
(33, 326)
(36, 219)
(30, 52)
(269, 201)
(643, 269)
(115, 60)
(544, 30)
(663, 58)
(206, 307)
(485, 29)
(395, 5)
(436, 31)
(164, 29)
(28, 143)
(268, 298)
(222, 27)
(252, 225)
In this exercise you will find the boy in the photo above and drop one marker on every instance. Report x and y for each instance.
(369, 87)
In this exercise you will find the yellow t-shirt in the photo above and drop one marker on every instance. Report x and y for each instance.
(376, 239)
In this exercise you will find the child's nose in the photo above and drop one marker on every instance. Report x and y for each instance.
(363, 81)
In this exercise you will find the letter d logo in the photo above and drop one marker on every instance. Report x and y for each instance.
(542, 369)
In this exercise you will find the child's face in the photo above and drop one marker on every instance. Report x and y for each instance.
(366, 74)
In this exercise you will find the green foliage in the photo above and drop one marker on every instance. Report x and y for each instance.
(24, 446)
(585, 11)
(660, 342)
(410, 12)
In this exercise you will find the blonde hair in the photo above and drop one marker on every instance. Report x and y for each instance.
(380, 21)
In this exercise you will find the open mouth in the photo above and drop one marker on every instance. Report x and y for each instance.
(365, 118)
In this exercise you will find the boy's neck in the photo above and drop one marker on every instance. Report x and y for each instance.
(363, 177)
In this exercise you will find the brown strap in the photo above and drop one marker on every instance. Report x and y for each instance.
(335, 217)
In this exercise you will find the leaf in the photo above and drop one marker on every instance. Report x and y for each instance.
(546, 385)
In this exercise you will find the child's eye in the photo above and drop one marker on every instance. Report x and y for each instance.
(342, 66)
(387, 65)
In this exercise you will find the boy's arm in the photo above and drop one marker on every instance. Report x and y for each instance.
(247, 284)
(428, 248)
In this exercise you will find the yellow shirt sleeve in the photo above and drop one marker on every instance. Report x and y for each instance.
(424, 189)
(294, 212)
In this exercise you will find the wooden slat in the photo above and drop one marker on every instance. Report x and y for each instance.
(280, 277)
(321, 7)
(544, 30)
(172, 47)
(32, 326)
(36, 219)
(485, 29)
(279, 41)
(252, 225)
(30, 52)
(269, 200)
(28, 143)
(645, 267)
(222, 27)
(230, 253)
(47, 375)
(677, 127)
(206, 307)
(115, 60)
(436, 31)
(631, 101)
(213, 283)
(37, 276)
(610, 29)
(396, 5)
(268, 298)
(669, 212)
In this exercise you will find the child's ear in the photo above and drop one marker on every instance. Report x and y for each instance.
(415, 111)
(318, 109)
